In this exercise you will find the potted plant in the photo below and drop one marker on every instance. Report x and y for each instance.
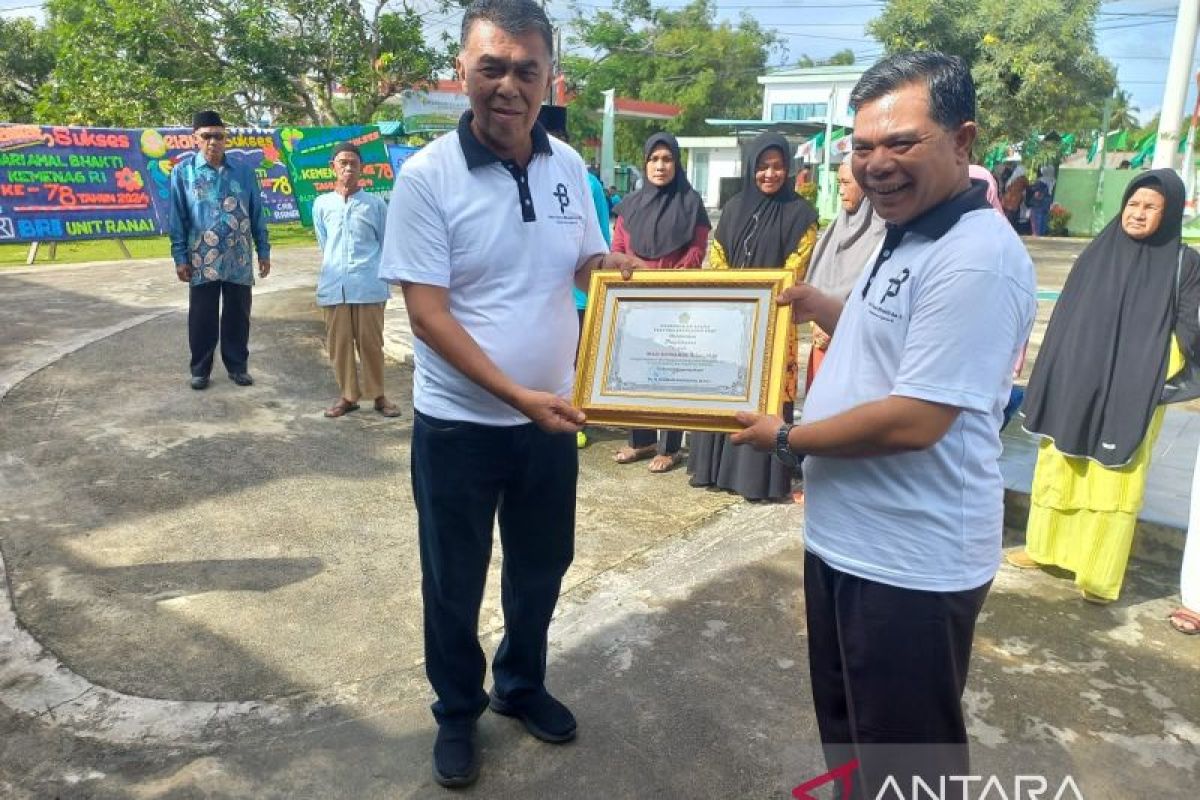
(1059, 217)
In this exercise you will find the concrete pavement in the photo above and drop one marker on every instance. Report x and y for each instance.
(216, 594)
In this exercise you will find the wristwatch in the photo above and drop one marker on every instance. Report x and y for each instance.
(783, 451)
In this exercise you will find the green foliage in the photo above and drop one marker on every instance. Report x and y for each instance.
(1035, 62)
(679, 55)
(1124, 112)
(25, 62)
(149, 62)
(842, 58)
(127, 62)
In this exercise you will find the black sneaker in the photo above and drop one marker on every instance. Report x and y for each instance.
(241, 378)
(542, 715)
(455, 760)
(199, 382)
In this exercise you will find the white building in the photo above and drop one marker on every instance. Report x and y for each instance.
(709, 159)
(809, 94)
(796, 102)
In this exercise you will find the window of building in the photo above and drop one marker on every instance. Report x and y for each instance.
(699, 170)
(798, 111)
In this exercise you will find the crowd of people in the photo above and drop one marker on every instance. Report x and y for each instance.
(919, 299)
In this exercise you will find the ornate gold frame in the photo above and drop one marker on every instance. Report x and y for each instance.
(596, 346)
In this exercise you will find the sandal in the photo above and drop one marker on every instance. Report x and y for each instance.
(1021, 559)
(1185, 621)
(387, 409)
(1094, 599)
(628, 454)
(341, 408)
(661, 464)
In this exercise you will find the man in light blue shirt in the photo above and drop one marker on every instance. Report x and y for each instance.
(216, 217)
(349, 224)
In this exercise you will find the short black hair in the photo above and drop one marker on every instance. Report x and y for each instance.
(514, 17)
(345, 147)
(951, 88)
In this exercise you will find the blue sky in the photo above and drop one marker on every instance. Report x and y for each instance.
(1133, 34)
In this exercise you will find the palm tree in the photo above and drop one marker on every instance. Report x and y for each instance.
(1125, 113)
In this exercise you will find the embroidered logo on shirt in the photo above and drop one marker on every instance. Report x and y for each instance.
(564, 199)
(894, 285)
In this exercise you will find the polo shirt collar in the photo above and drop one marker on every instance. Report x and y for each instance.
(479, 155)
(937, 221)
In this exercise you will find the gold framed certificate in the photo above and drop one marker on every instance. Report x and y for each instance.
(684, 349)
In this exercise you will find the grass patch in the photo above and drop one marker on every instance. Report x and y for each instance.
(286, 234)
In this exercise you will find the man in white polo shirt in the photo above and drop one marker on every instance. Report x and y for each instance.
(488, 230)
(904, 498)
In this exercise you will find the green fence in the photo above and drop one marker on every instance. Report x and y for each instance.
(1076, 192)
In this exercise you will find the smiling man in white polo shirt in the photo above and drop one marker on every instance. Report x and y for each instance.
(904, 498)
(488, 230)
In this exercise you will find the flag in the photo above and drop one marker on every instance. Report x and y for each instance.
(1189, 173)
(1145, 150)
(841, 142)
(995, 155)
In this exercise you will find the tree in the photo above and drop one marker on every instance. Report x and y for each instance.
(1035, 62)
(842, 58)
(145, 62)
(131, 62)
(25, 63)
(680, 56)
(1124, 112)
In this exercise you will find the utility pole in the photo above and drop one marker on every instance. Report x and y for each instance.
(1175, 91)
(555, 67)
(1098, 220)
(824, 187)
(607, 162)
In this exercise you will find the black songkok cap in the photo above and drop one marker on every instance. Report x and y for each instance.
(206, 119)
(345, 147)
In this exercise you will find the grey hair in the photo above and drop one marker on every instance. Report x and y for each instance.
(514, 17)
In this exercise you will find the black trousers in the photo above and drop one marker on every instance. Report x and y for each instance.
(219, 310)
(463, 475)
(668, 442)
(888, 669)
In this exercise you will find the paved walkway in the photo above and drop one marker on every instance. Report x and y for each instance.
(215, 595)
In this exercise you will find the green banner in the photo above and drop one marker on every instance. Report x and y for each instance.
(308, 152)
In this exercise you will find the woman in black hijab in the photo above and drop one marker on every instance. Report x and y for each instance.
(665, 224)
(1126, 325)
(765, 226)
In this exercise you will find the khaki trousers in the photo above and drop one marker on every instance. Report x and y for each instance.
(350, 327)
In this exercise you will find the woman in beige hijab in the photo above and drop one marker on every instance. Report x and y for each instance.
(841, 253)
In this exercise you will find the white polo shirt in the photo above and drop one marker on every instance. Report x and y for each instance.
(506, 242)
(941, 315)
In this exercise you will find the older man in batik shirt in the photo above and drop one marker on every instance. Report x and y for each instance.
(216, 217)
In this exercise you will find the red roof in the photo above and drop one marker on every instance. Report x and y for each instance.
(644, 109)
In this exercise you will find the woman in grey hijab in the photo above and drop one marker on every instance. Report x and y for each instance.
(841, 253)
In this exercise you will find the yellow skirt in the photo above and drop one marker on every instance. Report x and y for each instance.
(1082, 514)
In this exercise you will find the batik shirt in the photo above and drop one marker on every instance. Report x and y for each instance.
(215, 216)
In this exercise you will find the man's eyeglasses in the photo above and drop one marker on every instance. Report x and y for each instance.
(212, 137)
